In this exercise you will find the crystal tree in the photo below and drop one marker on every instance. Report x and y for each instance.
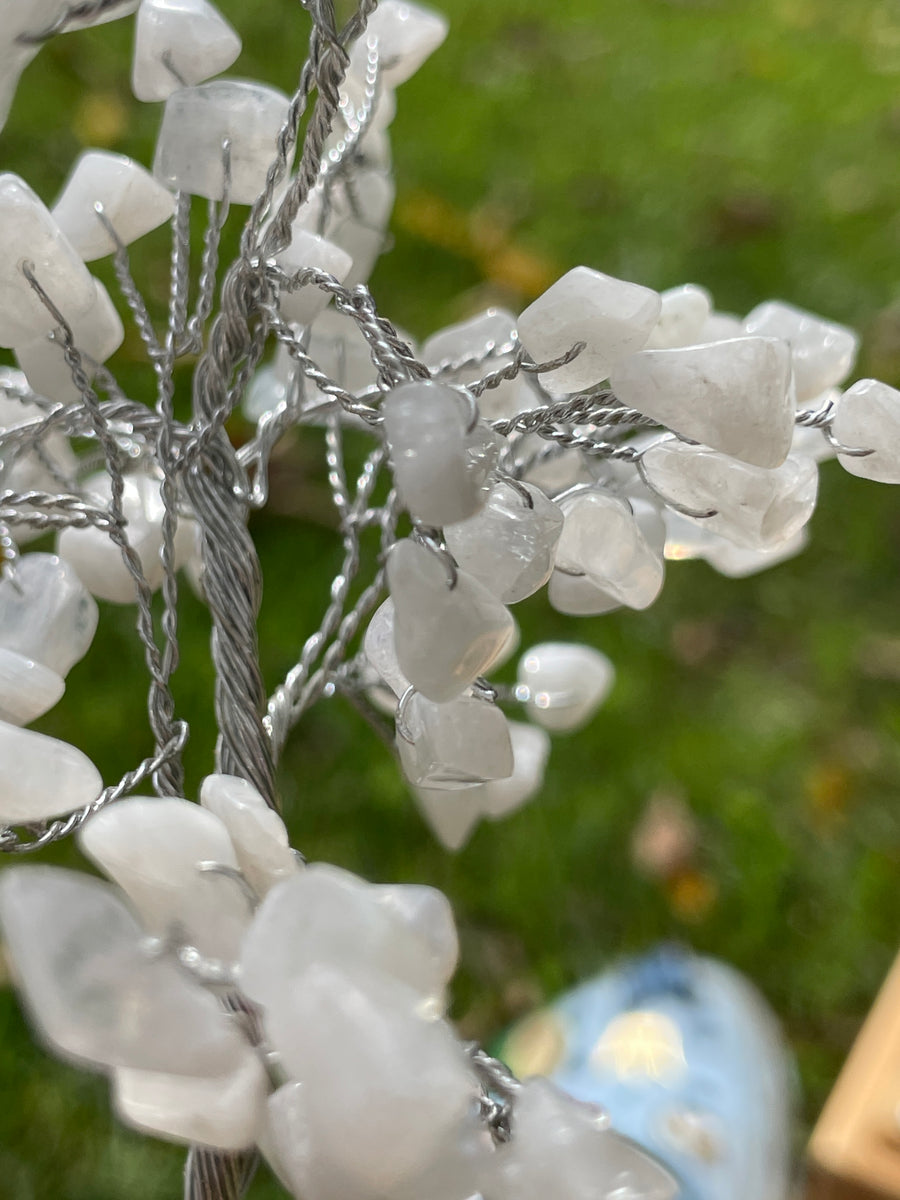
(242, 1001)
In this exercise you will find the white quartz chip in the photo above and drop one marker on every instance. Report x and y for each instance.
(197, 122)
(27, 689)
(683, 316)
(471, 349)
(445, 636)
(406, 34)
(257, 832)
(734, 396)
(178, 43)
(822, 352)
(564, 683)
(380, 648)
(454, 745)
(612, 317)
(307, 250)
(47, 614)
(868, 418)
(29, 234)
(133, 203)
(42, 777)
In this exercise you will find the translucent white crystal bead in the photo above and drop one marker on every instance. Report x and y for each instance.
(448, 628)
(531, 749)
(360, 1047)
(133, 203)
(734, 396)
(738, 563)
(406, 35)
(30, 235)
(868, 418)
(41, 777)
(196, 123)
(178, 43)
(685, 538)
(154, 848)
(822, 352)
(426, 914)
(380, 649)
(98, 333)
(451, 816)
(564, 1148)
(94, 990)
(684, 313)
(721, 327)
(356, 219)
(336, 344)
(753, 507)
(27, 689)
(224, 1111)
(307, 250)
(579, 596)
(603, 539)
(453, 745)
(612, 317)
(257, 833)
(481, 338)
(48, 614)
(325, 914)
(26, 470)
(98, 561)
(510, 545)
(553, 474)
(564, 684)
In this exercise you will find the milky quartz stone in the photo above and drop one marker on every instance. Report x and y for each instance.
(41, 777)
(614, 318)
(47, 614)
(93, 989)
(355, 219)
(257, 833)
(451, 816)
(98, 562)
(223, 1111)
(868, 418)
(738, 563)
(603, 540)
(362, 1047)
(153, 848)
(198, 120)
(29, 234)
(683, 315)
(579, 596)
(721, 327)
(488, 331)
(734, 396)
(564, 1148)
(380, 649)
(822, 352)
(307, 250)
(753, 507)
(531, 750)
(26, 470)
(445, 636)
(452, 745)
(178, 43)
(98, 334)
(27, 689)
(325, 914)
(563, 684)
(133, 202)
(406, 35)
(509, 546)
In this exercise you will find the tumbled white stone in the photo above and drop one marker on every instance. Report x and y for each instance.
(738, 563)
(451, 816)
(325, 914)
(753, 507)
(531, 749)
(98, 562)
(95, 991)
(355, 219)
(720, 327)
(153, 848)
(406, 35)
(683, 316)
(482, 337)
(361, 1047)
(133, 202)
(42, 777)
(380, 648)
(868, 418)
(509, 546)
(257, 833)
(27, 689)
(98, 333)
(614, 318)
(222, 1111)
(565, 1148)
(579, 596)
(29, 234)
(23, 469)
(822, 352)
(426, 913)
(179, 43)
(307, 250)
(734, 396)
(563, 684)
(453, 745)
(603, 540)
(687, 539)
(198, 120)
(47, 614)
(445, 636)
(553, 474)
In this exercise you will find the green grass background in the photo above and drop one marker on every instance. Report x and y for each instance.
(750, 145)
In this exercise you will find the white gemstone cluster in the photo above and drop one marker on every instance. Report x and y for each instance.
(236, 996)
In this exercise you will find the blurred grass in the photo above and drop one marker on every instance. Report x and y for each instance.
(750, 145)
